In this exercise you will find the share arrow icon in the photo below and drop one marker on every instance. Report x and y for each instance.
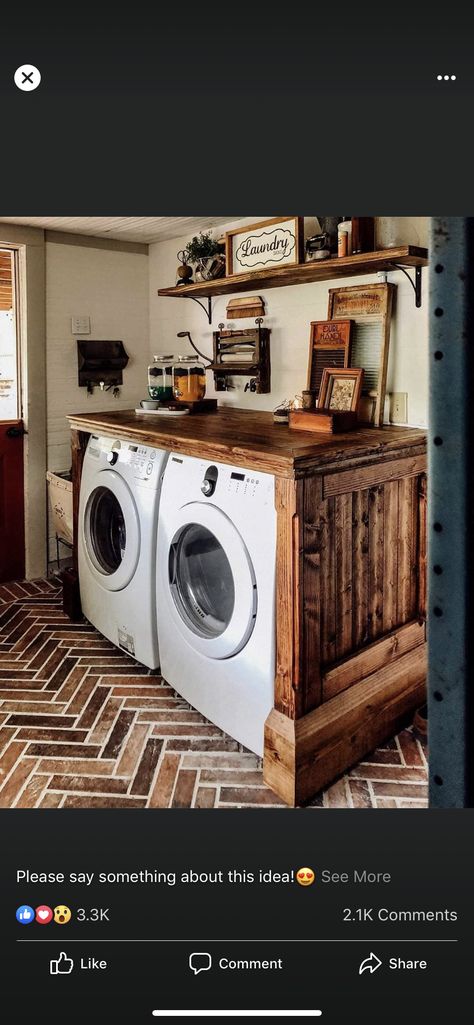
(371, 963)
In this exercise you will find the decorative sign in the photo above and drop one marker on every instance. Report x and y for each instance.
(265, 245)
(329, 346)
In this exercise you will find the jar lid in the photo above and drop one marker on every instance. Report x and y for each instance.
(187, 359)
(160, 358)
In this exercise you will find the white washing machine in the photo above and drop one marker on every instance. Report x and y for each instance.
(118, 519)
(216, 592)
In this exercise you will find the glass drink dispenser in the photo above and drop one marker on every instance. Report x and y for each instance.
(160, 378)
(189, 379)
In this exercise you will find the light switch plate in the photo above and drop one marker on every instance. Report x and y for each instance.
(399, 407)
(81, 325)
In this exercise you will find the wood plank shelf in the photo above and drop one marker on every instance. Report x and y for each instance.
(304, 273)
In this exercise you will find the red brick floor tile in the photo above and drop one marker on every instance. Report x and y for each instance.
(83, 725)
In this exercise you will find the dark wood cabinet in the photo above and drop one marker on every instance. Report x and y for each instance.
(351, 641)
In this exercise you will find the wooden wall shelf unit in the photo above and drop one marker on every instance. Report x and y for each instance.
(350, 577)
(401, 258)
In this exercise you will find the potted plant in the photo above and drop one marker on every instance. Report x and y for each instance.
(207, 256)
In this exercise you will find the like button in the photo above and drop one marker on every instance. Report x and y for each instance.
(63, 966)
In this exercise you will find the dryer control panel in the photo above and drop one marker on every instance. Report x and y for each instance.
(245, 484)
(220, 483)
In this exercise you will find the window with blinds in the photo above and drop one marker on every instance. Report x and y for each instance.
(8, 345)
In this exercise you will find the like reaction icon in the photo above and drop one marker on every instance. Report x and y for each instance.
(25, 915)
(63, 966)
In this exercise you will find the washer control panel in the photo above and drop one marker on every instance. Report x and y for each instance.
(135, 461)
(143, 461)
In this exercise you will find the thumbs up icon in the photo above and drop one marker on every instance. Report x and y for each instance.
(63, 966)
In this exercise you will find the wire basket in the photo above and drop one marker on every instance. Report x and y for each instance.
(60, 504)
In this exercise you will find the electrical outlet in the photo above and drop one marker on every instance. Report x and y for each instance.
(399, 407)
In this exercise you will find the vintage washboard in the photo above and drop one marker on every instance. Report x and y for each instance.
(329, 347)
(370, 307)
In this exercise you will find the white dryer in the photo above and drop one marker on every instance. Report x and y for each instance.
(118, 518)
(216, 592)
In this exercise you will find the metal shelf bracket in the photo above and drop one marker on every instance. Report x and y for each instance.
(416, 284)
(207, 309)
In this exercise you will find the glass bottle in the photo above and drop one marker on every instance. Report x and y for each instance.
(363, 234)
(189, 379)
(345, 225)
(160, 378)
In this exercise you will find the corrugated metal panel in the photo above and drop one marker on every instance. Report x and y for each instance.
(450, 513)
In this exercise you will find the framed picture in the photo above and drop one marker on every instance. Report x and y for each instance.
(370, 307)
(329, 346)
(265, 245)
(341, 389)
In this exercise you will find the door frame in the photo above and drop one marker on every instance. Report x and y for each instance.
(29, 245)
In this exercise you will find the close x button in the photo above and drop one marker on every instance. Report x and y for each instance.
(27, 78)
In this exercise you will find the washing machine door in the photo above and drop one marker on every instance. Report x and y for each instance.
(111, 531)
(211, 581)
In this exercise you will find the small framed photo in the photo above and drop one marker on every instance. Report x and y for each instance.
(341, 389)
(265, 245)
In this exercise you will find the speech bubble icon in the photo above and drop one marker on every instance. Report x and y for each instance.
(200, 961)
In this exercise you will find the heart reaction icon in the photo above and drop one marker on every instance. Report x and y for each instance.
(44, 914)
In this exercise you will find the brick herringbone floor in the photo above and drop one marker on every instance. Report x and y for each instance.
(84, 726)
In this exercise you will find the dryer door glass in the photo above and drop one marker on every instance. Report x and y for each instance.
(202, 582)
(107, 532)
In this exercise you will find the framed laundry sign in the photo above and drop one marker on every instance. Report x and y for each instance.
(265, 245)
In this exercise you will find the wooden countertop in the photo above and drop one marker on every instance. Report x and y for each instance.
(252, 439)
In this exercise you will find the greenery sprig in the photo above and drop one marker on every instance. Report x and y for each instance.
(201, 247)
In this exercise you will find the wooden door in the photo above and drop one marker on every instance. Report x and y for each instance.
(12, 522)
